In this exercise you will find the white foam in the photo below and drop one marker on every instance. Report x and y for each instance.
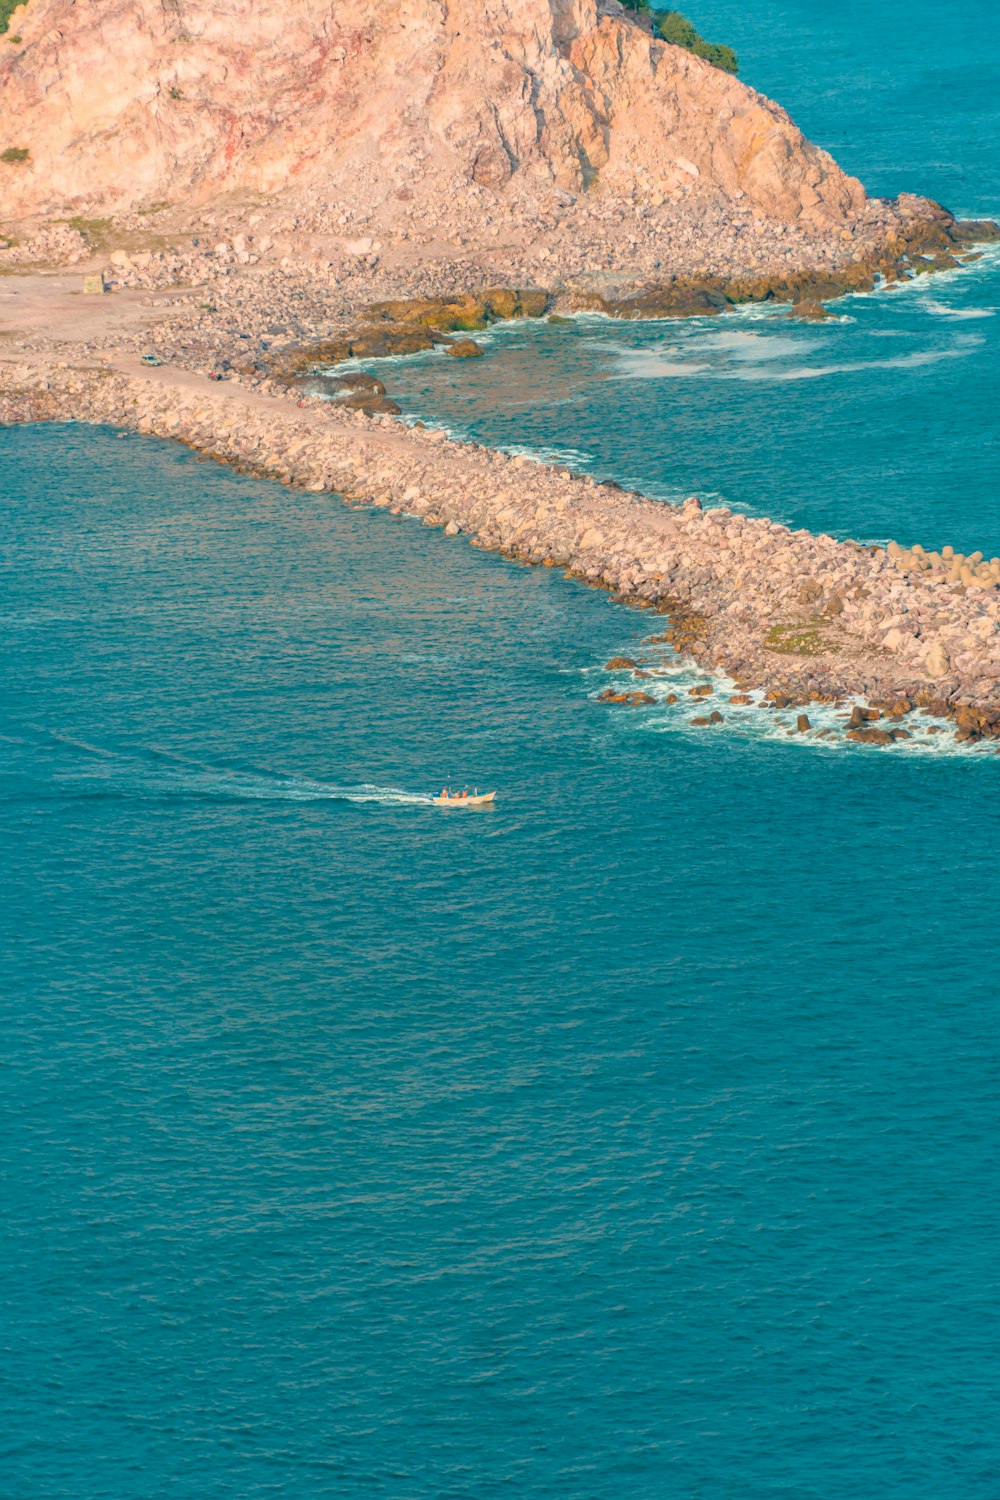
(755, 721)
(744, 345)
(745, 364)
(957, 314)
(916, 360)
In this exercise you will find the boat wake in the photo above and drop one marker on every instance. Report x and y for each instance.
(154, 772)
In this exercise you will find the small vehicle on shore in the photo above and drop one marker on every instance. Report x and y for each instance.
(464, 799)
(150, 359)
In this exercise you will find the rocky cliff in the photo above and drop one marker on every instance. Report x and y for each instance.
(120, 104)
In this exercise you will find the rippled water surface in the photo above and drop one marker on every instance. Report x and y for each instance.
(635, 1137)
(638, 1132)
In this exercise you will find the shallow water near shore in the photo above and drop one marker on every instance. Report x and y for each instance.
(636, 1131)
(876, 424)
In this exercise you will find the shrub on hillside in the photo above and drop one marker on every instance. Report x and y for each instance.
(7, 9)
(678, 30)
(675, 28)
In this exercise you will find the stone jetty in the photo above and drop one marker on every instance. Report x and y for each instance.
(803, 617)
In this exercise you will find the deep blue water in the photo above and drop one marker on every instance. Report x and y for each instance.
(635, 1137)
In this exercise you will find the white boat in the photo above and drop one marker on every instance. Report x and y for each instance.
(472, 799)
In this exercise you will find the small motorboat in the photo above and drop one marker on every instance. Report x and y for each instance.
(464, 799)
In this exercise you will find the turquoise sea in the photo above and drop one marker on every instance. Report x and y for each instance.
(636, 1137)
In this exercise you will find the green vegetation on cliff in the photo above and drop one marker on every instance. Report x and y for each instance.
(677, 29)
(673, 27)
(7, 9)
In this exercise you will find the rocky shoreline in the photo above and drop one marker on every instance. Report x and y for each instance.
(796, 617)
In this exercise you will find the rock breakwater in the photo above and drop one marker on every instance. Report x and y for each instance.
(803, 617)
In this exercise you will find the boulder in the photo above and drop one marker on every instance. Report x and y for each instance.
(867, 736)
(632, 699)
(465, 349)
(937, 662)
(809, 308)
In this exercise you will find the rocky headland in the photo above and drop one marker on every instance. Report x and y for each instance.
(254, 199)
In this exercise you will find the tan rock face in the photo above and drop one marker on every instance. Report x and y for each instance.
(122, 103)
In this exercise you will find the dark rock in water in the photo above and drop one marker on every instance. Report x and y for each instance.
(375, 406)
(355, 382)
(355, 391)
(466, 349)
(867, 736)
(976, 724)
(671, 698)
(935, 708)
(813, 286)
(620, 664)
(632, 699)
(713, 718)
(743, 700)
(974, 231)
(860, 716)
(802, 723)
(364, 342)
(703, 690)
(810, 309)
(379, 343)
(680, 297)
(896, 707)
(463, 314)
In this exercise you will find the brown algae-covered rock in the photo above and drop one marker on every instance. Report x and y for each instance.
(465, 349)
